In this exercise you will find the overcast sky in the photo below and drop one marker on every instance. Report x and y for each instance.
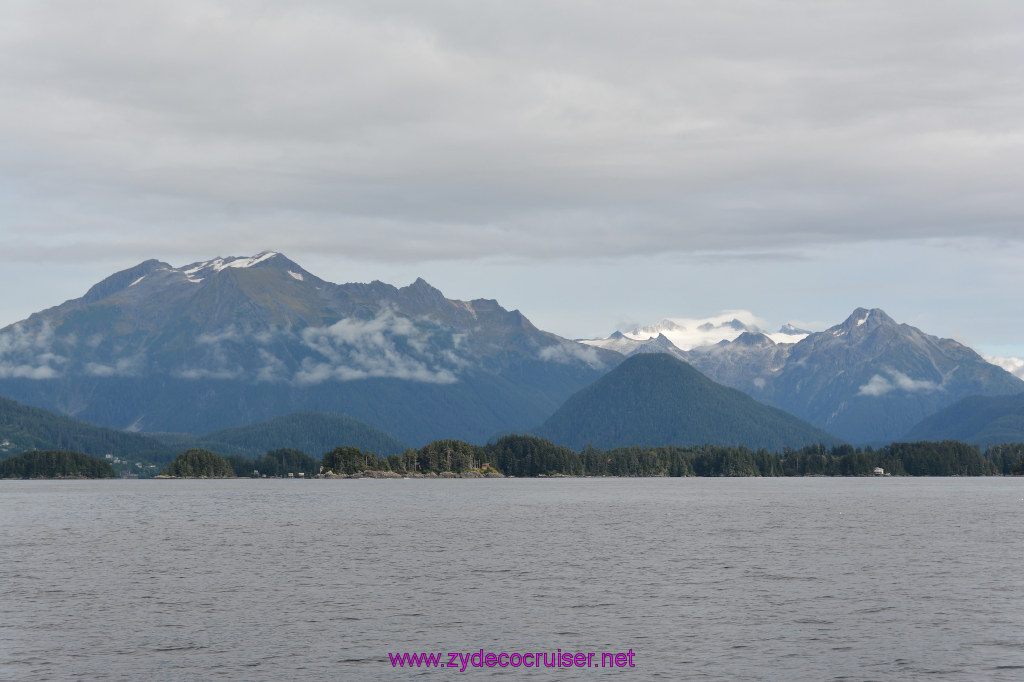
(593, 164)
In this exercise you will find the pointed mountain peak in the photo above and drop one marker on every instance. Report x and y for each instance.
(659, 344)
(656, 398)
(863, 319)
(197, 271)
(421, 285)
(753, 339)
(421, 297)
(122, 280)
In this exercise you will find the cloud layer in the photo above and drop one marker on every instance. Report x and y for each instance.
(28, 353)
(457, 130)
(385, 346)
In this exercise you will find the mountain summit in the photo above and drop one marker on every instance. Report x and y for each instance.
(657, 399)
(231, 341)
(868, 379)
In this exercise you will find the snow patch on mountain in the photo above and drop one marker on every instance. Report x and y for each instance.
(687, 333)
(217, 264)
(783, 336)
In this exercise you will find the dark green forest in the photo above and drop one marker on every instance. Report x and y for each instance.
(528, 456)
(54, 464)
(23, 428)
(304, 431)
(199, 463)
(656, 398)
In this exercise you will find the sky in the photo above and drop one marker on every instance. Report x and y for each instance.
(597, 165)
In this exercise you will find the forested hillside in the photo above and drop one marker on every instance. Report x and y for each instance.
(54, 464)
(25, 428)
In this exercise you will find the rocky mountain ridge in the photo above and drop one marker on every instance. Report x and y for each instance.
(868, 379)
(232, 341)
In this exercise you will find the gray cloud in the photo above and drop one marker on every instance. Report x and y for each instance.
(453, 130)
(786, 152)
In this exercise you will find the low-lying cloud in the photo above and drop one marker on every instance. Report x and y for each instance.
(124, 367)
(386, 346)
(27, 353)
(1014, 366)
(12, 371)
(879, 385)
(568, 353)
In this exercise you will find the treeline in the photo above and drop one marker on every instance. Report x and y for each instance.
(54, 464)
(527, 456)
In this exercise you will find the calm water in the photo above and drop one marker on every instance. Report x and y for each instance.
(704, 579)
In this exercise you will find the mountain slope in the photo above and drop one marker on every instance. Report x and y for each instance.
(311, 432)
(867, 380)
(656, 399)
(233, 341)
(31, 428)
(978, 420)
(871, 379)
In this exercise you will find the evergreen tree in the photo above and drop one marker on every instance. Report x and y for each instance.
(199, 463)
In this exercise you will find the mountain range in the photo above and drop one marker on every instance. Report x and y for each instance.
(977, 419)
(230, 342)
(866, 380)
(233, 341)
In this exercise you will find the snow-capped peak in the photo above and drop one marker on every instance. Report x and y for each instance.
(248, 262)
(687, 333)
(194, 272)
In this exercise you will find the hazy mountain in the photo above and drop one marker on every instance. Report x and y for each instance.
(233, 341)
(748, 362)
(656, 399)
(688, 333)
(979, 420)
(32, 428)
(311, 432)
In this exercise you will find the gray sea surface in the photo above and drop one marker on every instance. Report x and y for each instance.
(702, 579)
